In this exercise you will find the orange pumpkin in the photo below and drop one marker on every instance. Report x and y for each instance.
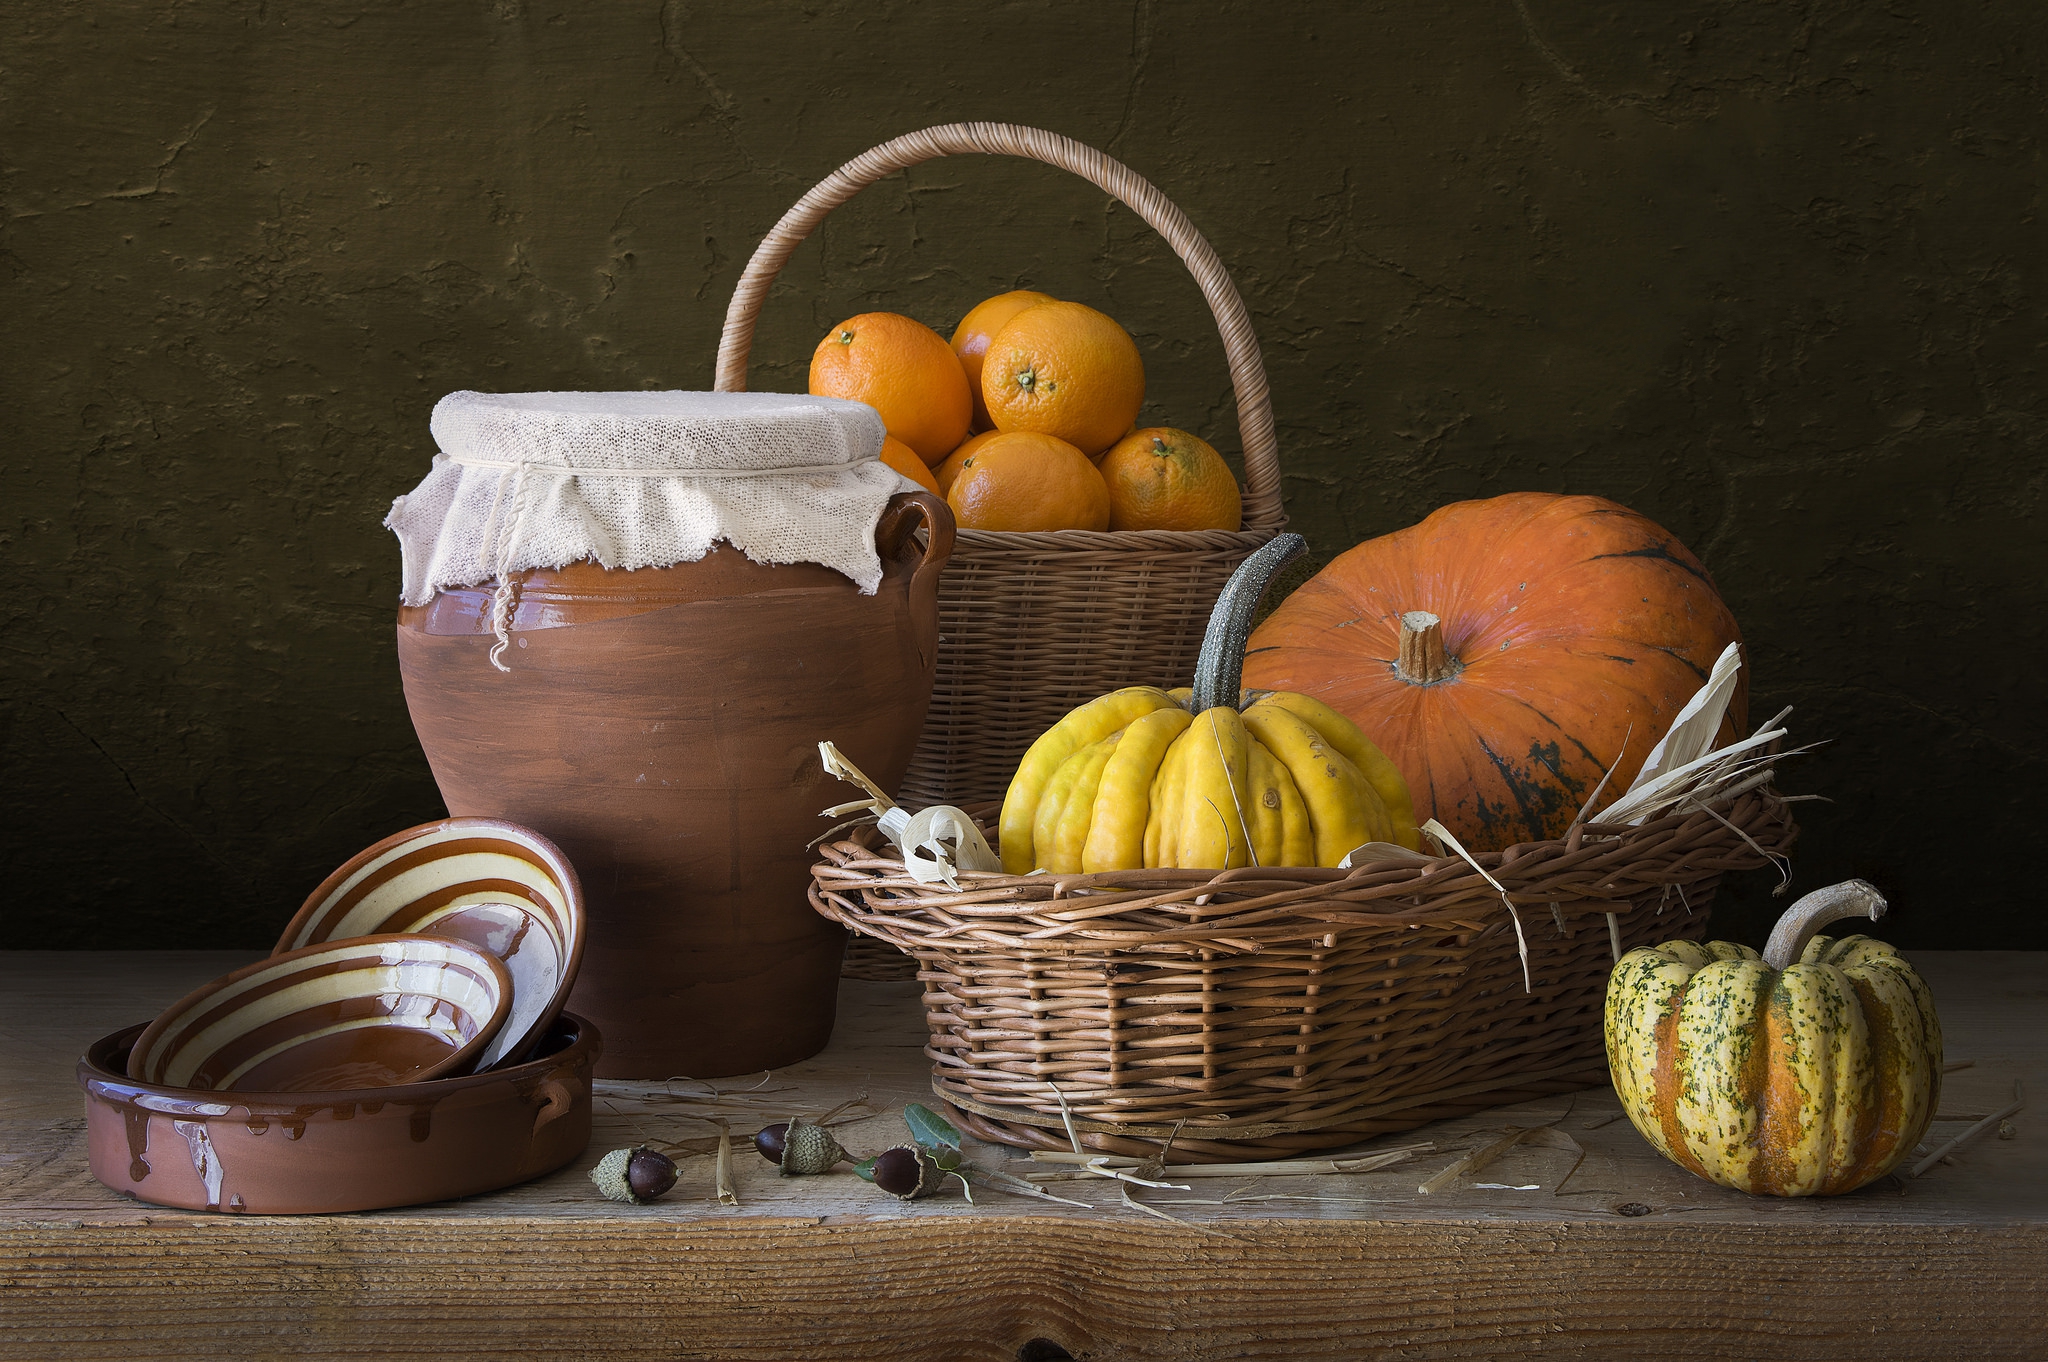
(1504, 653)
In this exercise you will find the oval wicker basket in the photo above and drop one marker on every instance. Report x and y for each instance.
(1267, 1011)
(1032, 625)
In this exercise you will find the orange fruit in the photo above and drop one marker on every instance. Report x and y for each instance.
(1160, 478)
(1022, 480)
(1066, 370)
(950, 469)
(978, 328)
(904, 370)
(904, 460)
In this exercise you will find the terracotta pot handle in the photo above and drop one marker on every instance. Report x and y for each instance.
(556, 1101)
(899, 519)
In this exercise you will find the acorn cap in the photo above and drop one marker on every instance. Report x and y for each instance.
(808, 1148)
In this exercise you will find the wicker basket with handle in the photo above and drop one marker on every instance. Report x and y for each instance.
(1032, 625)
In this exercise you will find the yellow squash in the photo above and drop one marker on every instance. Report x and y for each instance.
(1807, 1071)
(1147, 777)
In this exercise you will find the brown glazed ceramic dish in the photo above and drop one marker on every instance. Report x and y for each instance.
(306, 1152)
(661, 727)
(366, 1012)
(502, 888)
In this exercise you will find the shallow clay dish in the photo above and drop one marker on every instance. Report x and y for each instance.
(367, 1012)
(498, 886)
(298, 1153)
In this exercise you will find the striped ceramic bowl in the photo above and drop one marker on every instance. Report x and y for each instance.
(500, 887)
(368, 1012)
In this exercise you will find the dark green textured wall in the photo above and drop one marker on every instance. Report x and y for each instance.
(1770, 273)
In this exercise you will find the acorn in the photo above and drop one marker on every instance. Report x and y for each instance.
(908, 1172)
(798, 1148)
(636, 1175)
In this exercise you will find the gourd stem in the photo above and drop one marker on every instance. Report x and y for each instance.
(1219, 670)
(1423, 660)
(1850, 898)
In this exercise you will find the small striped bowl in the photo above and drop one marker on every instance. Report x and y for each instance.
(363, 1013)
(500, 887)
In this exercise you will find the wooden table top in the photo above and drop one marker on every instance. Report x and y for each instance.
(1630, 1258)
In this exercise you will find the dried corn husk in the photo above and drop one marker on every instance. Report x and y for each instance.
(935, 842)
(1378, 851)
(1716, 778)
(1692, 733)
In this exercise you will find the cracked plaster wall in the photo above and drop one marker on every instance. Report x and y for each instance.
(1771, 273)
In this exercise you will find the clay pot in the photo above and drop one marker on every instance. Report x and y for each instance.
(299, 1153)
(661, 727)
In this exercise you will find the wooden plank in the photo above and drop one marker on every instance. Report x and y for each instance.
(1287, 1267)
(772, 1288)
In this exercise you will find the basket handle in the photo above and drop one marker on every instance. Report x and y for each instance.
(1240, 347)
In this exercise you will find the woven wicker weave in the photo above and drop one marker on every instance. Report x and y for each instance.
(1281, 1009)
(1032, 625)
(875, 961)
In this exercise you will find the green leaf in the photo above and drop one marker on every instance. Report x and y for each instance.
(930, 1129)
(866, 1167)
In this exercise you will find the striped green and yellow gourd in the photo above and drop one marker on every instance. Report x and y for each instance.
(1807, 1071)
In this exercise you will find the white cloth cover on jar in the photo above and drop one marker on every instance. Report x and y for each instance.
(640, 480)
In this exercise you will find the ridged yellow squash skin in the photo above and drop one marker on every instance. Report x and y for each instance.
(1210, 812)
(1345, 811)
(1083, 727)
(1062, 825)
(1808, 1082)
(1131, 780)
(1205, 777)
(1370, 761)
(1119, 820)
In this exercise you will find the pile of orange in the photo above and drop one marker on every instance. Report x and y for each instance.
(1026, 419)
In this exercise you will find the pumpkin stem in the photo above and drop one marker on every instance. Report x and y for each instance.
(1850, 898)
(1423, 661)
(1220, 668)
